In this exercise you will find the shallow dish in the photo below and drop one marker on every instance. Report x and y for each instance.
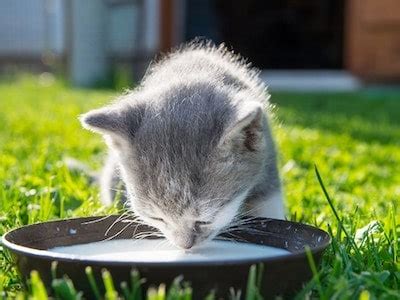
(283, 275)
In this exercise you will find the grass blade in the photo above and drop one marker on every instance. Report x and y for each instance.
(251, 283)
(38, 289)
(136, 285)
(111, 293)
(92, 282)
(328, 198)
(314, 270)
(64, 289)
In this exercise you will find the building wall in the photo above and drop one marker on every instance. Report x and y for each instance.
(373, 39)
(90, 36)
(30, 27)
(122, 29)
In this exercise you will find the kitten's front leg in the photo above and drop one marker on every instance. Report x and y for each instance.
(267, 206)
(111, 185)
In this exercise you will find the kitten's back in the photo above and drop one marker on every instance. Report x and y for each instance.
(198, 62)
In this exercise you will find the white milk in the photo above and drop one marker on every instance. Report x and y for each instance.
(160, 250)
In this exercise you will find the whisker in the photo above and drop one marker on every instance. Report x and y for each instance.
(96, 220)
(134, 231)
(142, 236)
(223, 238)
(162, 243)
(238, 220)
(237, 237)
(135, 219)
(257, 231)
(118, 233)
(124, 216)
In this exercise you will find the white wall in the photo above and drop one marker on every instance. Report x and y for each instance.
(122, 29)
(88, 60)
(24, 30)
(152, 25)
(99, 29)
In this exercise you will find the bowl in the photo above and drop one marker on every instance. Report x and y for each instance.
(282, 275)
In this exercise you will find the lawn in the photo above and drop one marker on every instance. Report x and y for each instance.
(353, 139)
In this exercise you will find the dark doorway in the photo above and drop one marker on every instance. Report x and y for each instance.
(273, 34)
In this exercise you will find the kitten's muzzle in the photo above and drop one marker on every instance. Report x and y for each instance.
(185, 240)
(187, 243)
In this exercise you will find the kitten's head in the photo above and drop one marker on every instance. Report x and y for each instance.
(187, 163)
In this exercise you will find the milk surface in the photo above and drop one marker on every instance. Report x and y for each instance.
(160, 250)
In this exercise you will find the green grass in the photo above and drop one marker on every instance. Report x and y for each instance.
(353, 138)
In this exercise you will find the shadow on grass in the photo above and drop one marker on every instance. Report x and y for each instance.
(369, 116)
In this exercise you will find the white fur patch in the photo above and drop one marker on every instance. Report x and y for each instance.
(271, 207)
(229, 211)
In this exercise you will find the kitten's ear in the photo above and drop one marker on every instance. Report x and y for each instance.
(246, 131)
(113, 120)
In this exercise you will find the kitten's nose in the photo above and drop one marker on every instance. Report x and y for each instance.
(186, 243)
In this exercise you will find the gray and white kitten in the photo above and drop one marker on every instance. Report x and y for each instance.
(193, 145)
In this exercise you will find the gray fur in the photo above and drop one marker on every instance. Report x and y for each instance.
(192, 144)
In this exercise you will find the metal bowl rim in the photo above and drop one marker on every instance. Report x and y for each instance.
(68, 258)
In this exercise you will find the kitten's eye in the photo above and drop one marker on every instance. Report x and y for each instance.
(157, 219)
(202, 223)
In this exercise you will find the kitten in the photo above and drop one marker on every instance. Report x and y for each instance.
(192, 144)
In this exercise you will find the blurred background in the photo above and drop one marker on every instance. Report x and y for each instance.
(299, 44)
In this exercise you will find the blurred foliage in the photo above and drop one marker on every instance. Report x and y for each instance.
(119, 78)
(354, 140)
